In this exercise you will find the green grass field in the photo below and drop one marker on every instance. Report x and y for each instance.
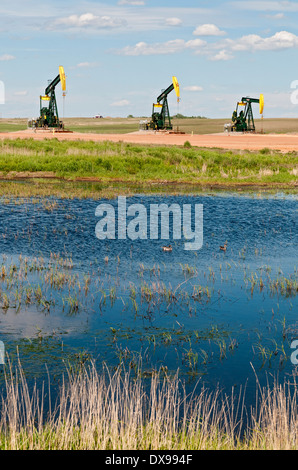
(126, 125)
(187, 125)
(102, 126)
(13, 125)
(127, 163)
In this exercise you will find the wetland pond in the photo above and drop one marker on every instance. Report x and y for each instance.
(220, 318)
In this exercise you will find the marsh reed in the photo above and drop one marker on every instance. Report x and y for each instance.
(111, 410)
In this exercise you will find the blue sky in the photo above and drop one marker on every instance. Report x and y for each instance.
(118, 55)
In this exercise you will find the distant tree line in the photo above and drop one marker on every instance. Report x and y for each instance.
(181, 116)
(176, 116)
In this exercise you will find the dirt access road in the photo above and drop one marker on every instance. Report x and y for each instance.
(282, 142)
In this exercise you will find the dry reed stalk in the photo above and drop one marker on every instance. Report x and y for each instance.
(115, 411)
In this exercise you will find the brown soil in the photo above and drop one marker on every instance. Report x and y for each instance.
(282, 142)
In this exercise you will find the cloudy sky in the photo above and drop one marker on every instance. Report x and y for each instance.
(119, 54)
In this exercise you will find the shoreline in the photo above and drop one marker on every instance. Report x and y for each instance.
(19, 177)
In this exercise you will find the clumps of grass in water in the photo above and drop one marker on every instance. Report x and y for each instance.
(27, 282)
(190, 270)
(190, 358)
(73, 304)
(199, 293)
(269, 354)
(287, 287)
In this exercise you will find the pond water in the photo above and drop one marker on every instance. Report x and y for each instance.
(222, 318)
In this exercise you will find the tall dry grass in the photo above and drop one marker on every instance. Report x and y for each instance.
(113, 411)
(275, 420)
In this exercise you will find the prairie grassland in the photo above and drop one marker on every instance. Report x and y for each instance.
(122, 126)
(119, 162)
(110, 125)
(13, 125)
(214, 126)
(109, 411)
(102, 126)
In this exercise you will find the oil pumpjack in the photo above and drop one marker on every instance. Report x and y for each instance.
(49, 117)
(243, 121)
(161, 120)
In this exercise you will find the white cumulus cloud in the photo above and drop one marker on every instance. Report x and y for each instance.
(277, 16)
(21, 93)
(173, 22)
(170, 47)
(253, 42)
(86, 65)
(6, 57)
(120, 103)
(223, 49)
(222, 55)
(265, 5)
(208, 30)
(131, 2)
(86, 20)
(193, 88)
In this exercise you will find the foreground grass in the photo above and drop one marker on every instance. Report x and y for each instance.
(111, 411)
(112, 162)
